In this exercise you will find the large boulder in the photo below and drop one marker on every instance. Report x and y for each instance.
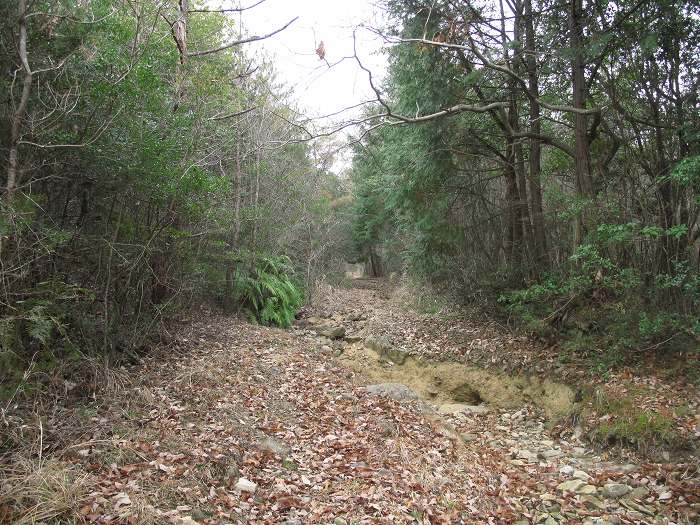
(396, 391)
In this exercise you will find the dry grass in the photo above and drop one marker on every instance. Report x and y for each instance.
(36, 491)
(35, 485)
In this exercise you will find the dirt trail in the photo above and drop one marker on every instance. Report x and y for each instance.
(243, 424)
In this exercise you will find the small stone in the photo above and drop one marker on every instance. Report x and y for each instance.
(547, 454)
(393, 390)
(340, 521)
(571, 486)
(587, 489)
(638, 493)
(550, 521)
(566, 470)
(580, 474)
(592, 502)
(331, 332)
(245, 485)
(462, 408)
(276, 447)
(665, 496)
(615, 490)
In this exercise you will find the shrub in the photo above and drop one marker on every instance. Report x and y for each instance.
(265, 289)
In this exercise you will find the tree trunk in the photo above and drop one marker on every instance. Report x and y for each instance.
(18, 115)
(535, 160)
(584, 187)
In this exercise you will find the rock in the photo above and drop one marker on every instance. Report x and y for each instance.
(340, 521)
(385, 350)
(592, 503)
(245, 485)
(550, 521)
(638, 493)
(580, 474)
(468, 437)
(331, 332)
(527, 455)
(461, 408)
(396, 391)
(275, 446)
(587, 489)
(616, 490)
(665, 496)
(353, 338)
(547, 454)
(566, 470)
(571, 486)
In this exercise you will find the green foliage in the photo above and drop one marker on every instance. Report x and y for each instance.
(606, 311)
(266, 290)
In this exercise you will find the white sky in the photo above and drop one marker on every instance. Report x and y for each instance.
(317, 89)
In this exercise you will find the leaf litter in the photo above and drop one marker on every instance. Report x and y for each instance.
(236, 423)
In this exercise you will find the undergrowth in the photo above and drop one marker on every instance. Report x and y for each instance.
(266, 290)
(624, 424)
(608, 313)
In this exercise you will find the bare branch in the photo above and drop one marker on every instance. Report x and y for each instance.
(228, 10)
(491, 65)
(254, 38)
(232, 115)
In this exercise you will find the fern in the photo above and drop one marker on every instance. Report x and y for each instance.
(266, 291)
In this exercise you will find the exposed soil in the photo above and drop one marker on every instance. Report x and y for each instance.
(443, 382)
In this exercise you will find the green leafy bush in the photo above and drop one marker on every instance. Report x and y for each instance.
(608, 311)
(265, 289)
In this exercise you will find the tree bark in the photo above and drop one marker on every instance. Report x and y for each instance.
(535, 159)
(584, 187)
(18, 115)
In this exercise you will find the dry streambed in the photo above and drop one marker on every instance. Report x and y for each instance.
(489, 412)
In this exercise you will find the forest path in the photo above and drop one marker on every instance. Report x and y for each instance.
(248, 424)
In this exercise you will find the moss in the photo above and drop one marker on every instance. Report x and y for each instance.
(642, 430)
(631, 426)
